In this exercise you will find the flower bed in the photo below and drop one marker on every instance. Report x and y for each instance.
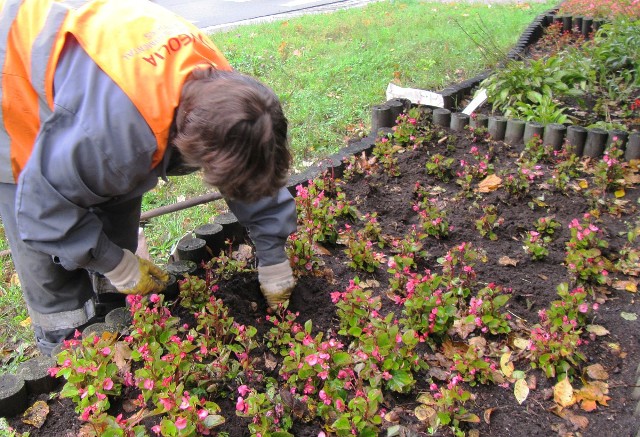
(448, 283)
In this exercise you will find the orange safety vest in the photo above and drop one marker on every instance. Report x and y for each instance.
(145, 49)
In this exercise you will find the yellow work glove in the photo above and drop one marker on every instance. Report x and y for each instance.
(276, 283)
(135, 275)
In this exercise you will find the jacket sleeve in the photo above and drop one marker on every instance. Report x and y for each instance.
(94, 149)
(270, 221)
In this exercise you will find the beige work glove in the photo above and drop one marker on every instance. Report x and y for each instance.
(135, 275)
(276, 283)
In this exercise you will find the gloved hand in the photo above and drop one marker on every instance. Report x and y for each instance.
(135, 275)
(276, 283)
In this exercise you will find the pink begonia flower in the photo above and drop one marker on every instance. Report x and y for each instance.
(312, 359)
(105, 351)
(154, 298)
(107, 384)
(583, 307)
(203, 414)
(156, 429)
(181, 423)
(243, 390)
(148, 384)
(166, 403)
(241, 405)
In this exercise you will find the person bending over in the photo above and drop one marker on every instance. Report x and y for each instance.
(99, 100)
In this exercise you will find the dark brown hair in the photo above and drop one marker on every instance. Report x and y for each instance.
(233, 127)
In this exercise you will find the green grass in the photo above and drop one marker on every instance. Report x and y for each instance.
(328, 70)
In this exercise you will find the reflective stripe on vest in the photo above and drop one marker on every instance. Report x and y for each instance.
(8, 15)
(145, 49)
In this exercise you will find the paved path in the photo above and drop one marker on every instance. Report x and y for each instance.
(306, 8)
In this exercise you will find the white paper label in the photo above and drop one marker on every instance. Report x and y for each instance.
(479, 99)
(416, 96)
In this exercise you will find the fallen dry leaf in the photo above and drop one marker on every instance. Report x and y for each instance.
(596, 371)
(468, 417)
(597, 330)
(425, 413)
(521, 343)
(122, 355)
(490, 183)
(619, 193)
(87, 430)
(392, 416)
(521, 390)
(439, 373)
(630, 286)
(506, 365)
(321, 250)
(506, 261)
(244, 253)
(36, 414)
(591, 394)
(463, 328)
(631, 179)
(487, 415)
(575, 419)
(426, 399)
(270, 361)
(563, 393)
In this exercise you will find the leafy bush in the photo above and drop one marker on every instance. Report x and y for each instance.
(608, 65)
(532, 82)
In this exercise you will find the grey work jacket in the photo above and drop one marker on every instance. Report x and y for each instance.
(96, 148)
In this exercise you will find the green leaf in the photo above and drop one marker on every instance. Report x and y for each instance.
(534, 96)
(445, 419)
(355, 331)
(342, 359)
(500, 300)
(629, 316)
(341, 424)
(168, 428)
(401, 381)
(383, 340)
(213, 420)
(409, 338)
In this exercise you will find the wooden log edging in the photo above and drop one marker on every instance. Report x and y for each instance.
(553, 134)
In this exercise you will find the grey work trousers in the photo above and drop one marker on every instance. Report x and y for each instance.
(60, 300)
